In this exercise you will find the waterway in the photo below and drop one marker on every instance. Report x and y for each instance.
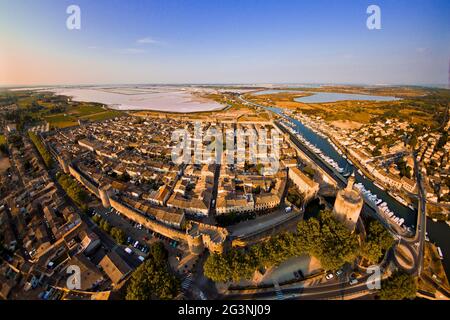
(324, 97)
(439, 233)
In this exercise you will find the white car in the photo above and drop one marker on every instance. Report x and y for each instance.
(339, 272)
(329, 276)
(353, 282)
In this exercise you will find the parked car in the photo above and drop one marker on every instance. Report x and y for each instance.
(329, 276)
(128, 250)
(353, 282)
(339, 272)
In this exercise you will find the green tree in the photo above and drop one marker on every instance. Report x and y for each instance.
(159, 252)
(377, 241)
(105, 226)
(325, 238)
(118, 235)
(398, 287)
(152, 280)
(328, 240)
(73, 190)
(42, 149)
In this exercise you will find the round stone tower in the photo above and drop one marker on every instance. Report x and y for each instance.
(195, 243)
(348, 205)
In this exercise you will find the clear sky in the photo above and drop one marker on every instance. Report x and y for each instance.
(218, 41)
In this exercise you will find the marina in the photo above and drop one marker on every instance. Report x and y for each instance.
(438, 231)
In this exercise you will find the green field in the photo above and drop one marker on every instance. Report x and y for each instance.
(33, 108)
(63, 120)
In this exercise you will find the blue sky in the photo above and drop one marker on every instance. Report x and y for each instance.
(232, 41)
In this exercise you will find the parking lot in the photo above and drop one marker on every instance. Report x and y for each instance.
(138, 238)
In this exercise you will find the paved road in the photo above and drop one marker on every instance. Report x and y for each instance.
(316, 292)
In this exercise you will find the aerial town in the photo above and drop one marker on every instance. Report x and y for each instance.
(104, 199)
(224, 158)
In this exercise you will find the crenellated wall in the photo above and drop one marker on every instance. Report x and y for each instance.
(154, 225)
(204, 236)
(84, 181)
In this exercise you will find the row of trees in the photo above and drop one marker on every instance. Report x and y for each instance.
(399, 286)
(73, 190)
(324, 237)
(153, 279)
(377, 241)
(41, 148)
(116, 233)
(328, 240)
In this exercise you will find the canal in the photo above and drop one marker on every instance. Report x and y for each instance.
(438, 232)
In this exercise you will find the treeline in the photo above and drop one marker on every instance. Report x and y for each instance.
(153, 279)
(398, 286)
(323, 237)
(377, 241)
(41, 148)
(73, 190)
(116, 233)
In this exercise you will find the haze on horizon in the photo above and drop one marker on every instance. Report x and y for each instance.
(200, 41)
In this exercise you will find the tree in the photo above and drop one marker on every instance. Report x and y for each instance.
(152, 279)
(325, 238)
(328, 240)
(398, 287)
(377, 241)
(158, 252)
(42, 149)
(118, 235)
(96, 219)
(73, 190)
(105, 226)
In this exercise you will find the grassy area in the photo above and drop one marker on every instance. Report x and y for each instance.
(420, 106)
(42, 149)
(73, 190)
(84, 112)
(34, 107)
(102, 115)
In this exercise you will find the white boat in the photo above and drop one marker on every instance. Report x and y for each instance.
(441, 256)
(379, 186)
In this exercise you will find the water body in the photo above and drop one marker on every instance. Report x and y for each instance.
(323, 97)
(142, 98)
(439, 233)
